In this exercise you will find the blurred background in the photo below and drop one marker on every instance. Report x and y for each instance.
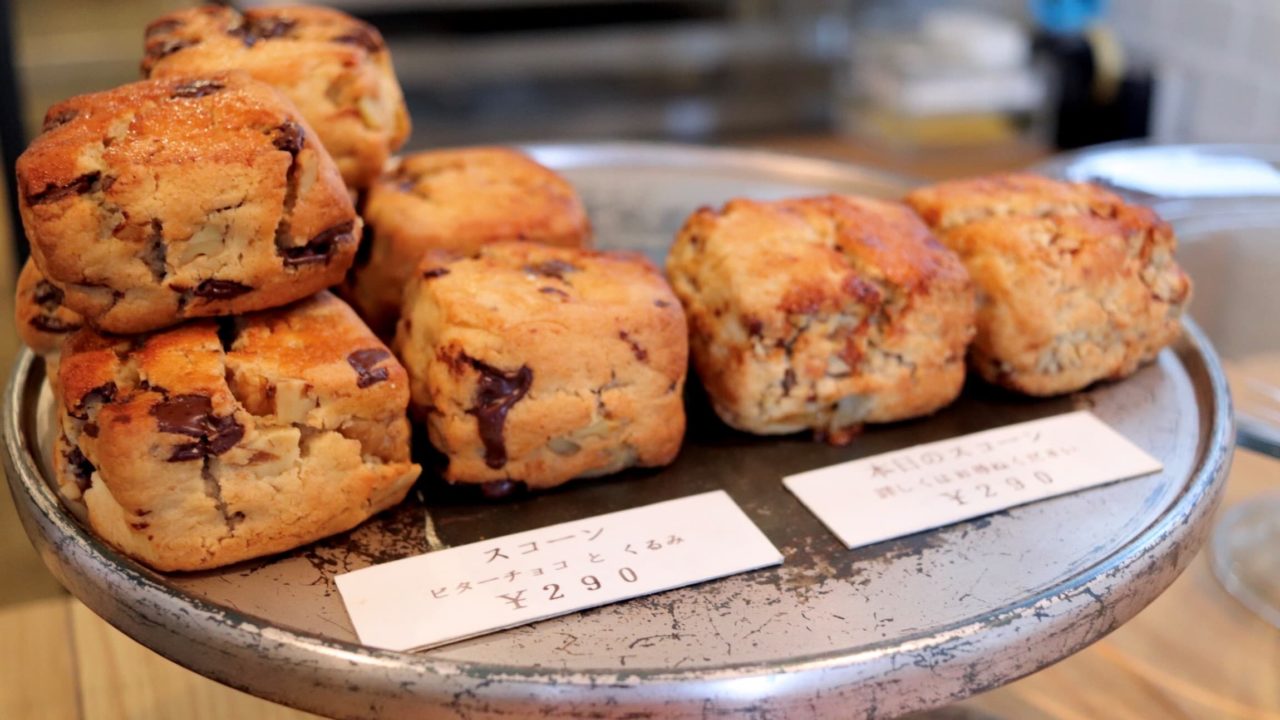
(910, 73)
(926, 89)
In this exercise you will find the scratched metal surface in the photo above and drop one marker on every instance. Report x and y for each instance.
(898, 626)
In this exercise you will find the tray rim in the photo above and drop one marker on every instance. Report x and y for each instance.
(1198, 496)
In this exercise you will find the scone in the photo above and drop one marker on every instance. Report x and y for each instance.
(1073, 284)
(538, 364)
(172, 199)
(821, 313)
(951, 204)
(333, 66)
(456, 200)
(41, 319)
(217, 441)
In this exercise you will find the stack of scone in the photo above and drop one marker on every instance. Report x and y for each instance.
(215, 402)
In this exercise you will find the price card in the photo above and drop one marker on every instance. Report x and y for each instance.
(898, 493)
(453, 594)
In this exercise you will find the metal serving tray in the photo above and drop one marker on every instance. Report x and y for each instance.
(898, 626)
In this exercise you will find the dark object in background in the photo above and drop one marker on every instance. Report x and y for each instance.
(12, 139)
(1090, 108)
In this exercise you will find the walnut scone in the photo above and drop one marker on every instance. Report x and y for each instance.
(41, 319)
(334, 67)
(165, 200)
(536, 364)
(953, 203)
(456, 200)
(218, 441)
(1066, 301)
(1073, 284)
(821, 313)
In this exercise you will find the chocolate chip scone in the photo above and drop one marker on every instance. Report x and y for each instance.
(41, 319)
(537, 364)
(171, 199)
(333, 66)
(456, 200)
(218, 441)
(1073, 284)
(821, 313)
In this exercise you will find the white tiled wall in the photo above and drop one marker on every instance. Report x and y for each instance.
(1217, 64)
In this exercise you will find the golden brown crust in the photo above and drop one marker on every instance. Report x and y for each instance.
(949, 204)
(333, 66)
(1074, 285)
(215, 442)
(165, 200)
(541, 364)
(821, 313)
(456, 200)
(43, 322)
(1066, 301)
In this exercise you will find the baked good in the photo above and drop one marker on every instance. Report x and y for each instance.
(953, 203)
(1073, 284)
(41, 319)
(456, 200)
(171, 199)
(537, 364)
(821, 313)
(217, 441)
(333, 66)
(1069, 300)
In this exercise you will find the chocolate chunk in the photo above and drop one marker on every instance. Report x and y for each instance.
(319, 248)
(52, 324)
(434, 273)
(183, 414)
(155, 256)
(755, 326)
(262, 28)
(640, 353)
(363, 362)
(290, 137)
(196, 89)
(499, 489)
(213, 289)
(59, 119)
(192, 415)
(552, 268)
(52, 193)
(146, 386)
(496, 393)
(48, 295)
(362, 36)
(162, 27)
(81, 469)
(788, 381)
(100, 395)
(166, 48)
(225, 432)
(90, 429)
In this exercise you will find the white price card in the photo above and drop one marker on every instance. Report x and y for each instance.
(927, 486)
(462, 592)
